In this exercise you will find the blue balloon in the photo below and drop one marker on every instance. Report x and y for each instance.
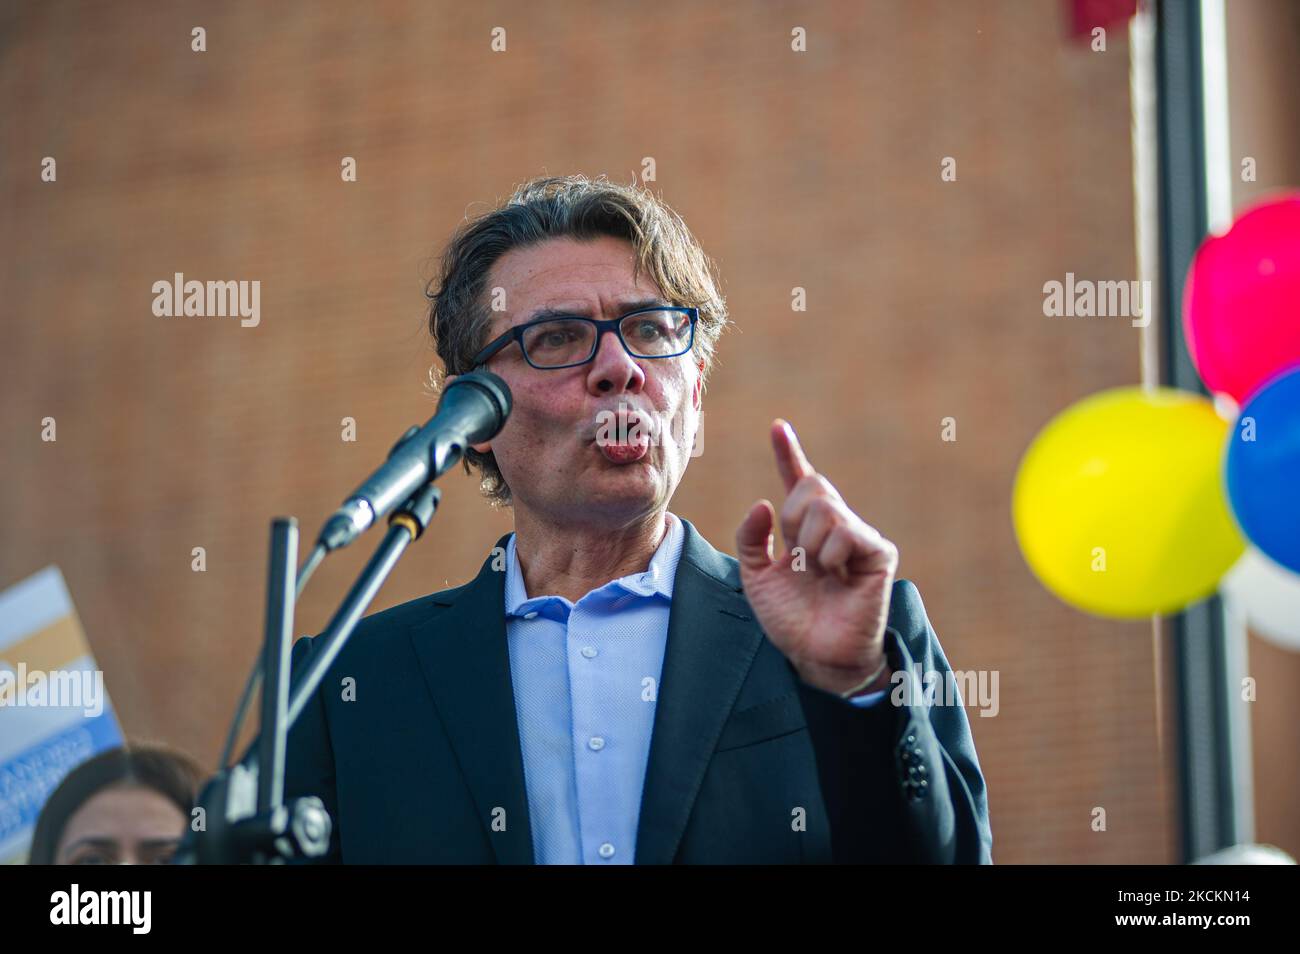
(1263, 469)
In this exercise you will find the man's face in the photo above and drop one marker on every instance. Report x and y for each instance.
(553, 451)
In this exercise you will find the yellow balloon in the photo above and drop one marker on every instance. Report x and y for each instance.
(1119, 503)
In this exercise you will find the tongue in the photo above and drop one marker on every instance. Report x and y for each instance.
(625, 453)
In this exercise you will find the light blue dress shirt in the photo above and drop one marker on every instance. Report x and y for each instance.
(586, 678)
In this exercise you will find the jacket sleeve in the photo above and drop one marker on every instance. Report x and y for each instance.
(900, 779)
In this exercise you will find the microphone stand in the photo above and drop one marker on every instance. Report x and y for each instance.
(242, 816)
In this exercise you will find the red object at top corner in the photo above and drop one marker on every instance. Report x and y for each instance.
(1086, 15)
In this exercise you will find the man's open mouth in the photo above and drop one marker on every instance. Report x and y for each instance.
(623, 435)
(625, 453)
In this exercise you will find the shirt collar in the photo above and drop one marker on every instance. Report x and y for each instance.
(657, 579)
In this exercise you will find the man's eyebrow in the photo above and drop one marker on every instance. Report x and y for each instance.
(584, 311)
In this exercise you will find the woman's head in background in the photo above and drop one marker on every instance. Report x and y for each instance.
(128, 805)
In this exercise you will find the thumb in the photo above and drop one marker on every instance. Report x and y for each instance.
(754, 536)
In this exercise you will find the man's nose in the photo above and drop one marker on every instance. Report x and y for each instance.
(613, 369)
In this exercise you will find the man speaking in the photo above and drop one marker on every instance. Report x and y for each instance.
(611, 689)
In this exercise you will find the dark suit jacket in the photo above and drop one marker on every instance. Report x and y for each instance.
(424, 764)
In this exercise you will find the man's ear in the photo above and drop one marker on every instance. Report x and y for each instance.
(697, 394)
(486, 446)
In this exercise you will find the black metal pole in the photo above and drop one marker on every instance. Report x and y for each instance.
(280, 596)
(1207, 813)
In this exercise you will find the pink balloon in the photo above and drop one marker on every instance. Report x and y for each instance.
(1241, 306)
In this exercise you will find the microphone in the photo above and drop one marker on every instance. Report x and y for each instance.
(473, 409)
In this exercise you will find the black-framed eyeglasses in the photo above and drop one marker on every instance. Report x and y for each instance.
(566, 341)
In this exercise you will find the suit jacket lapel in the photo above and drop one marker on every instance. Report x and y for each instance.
(465, 658)
(712, 641)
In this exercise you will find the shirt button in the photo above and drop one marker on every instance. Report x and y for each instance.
(532, 615)
(595, 743)
(606, 850)
(589, 652)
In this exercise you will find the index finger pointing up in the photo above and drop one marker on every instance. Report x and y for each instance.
(790, 458)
